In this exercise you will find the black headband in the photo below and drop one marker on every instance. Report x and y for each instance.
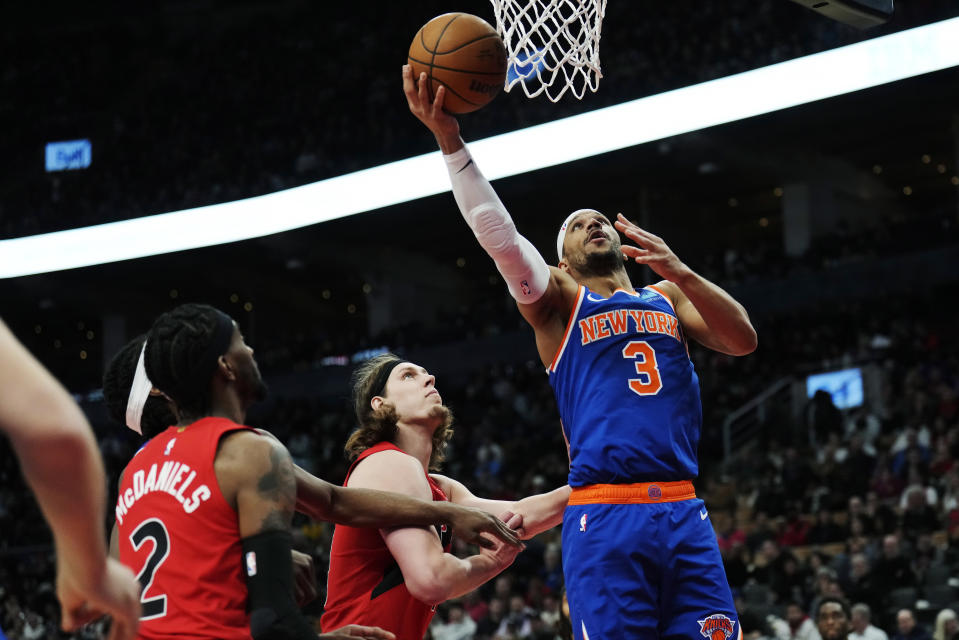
(206, 364)
(378, 387)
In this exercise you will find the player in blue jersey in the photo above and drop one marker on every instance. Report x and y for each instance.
(639, 554)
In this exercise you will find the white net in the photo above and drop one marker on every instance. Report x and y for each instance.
(552, 45)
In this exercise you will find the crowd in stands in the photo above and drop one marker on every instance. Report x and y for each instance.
(862, 503)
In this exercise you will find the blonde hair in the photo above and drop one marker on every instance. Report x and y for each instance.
(944, 616)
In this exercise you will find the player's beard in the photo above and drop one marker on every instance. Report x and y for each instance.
(441, 414)
(601, 263)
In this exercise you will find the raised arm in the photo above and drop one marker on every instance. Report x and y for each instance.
(529, 516)
(545, 295)
(431, 575)
(62, 465)
(707, 313)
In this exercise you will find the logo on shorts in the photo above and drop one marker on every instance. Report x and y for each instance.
(525, 287)
(654, 492)
(582, 523)
(250, 563)
(717, 627)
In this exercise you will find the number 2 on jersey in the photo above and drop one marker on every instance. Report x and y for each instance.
(155, 530)
(648, 383)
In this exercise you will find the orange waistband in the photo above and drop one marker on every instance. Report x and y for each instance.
(637, 493)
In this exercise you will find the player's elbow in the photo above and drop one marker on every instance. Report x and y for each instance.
(746, 343)
(428, 584)
(431, 594)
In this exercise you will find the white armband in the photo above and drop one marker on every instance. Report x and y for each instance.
(521, 265)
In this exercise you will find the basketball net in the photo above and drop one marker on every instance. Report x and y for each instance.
(552, 45)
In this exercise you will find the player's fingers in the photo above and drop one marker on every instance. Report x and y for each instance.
(485, 543)
(123, 629)
(66, 620)
(79, 618)
(119, 630)
(438, 100)
(376, 632)
(421, 86)
(408, 84)
(634, 252)
(360, 631)
(502, 531)
(633, 230)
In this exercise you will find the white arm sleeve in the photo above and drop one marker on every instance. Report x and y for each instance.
(517, 260)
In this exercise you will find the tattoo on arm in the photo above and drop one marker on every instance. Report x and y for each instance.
(278, 486)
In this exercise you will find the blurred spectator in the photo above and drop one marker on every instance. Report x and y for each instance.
(458, 625)
(907, 629)
(822, 418)
(947, 626)
(860, 585)
(825, 530)
(918, 517)
(892, 570)
(861, 624)
(796, 626)
(832, 618)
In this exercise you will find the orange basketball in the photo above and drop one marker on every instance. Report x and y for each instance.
(464, 54)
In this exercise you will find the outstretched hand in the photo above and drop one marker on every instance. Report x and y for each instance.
(469, 523)
(116, 593)
(442, 124)
(358, 632)
(652, 250)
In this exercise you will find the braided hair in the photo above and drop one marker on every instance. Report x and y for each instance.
(117, 380)
(183, 348)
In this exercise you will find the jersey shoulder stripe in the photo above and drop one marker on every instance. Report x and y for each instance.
(569, 327)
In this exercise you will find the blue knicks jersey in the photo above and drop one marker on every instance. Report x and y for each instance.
(627, 391)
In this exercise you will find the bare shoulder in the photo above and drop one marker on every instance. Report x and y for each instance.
(244, 456)
(669, 289)
(393, 471)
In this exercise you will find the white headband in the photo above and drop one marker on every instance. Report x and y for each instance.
(562, 230)
(139, 393)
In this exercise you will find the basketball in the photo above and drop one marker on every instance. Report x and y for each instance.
(463, 53)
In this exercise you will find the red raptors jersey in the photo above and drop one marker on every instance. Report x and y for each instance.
(365, 584)
(181, 537)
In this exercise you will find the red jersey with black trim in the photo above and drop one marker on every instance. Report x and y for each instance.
(180, 536)
(365, 584)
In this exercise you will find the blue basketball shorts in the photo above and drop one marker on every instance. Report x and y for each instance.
(641, 562)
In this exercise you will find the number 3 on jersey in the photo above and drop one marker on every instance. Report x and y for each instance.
(648, 383)
(154, 530)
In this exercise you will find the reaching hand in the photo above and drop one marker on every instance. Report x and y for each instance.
(117, 595)
(652, 251)
(443, 125)
(501, 554)
(358, 632)
(468, 523)
(515, 522)
(305, 576)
